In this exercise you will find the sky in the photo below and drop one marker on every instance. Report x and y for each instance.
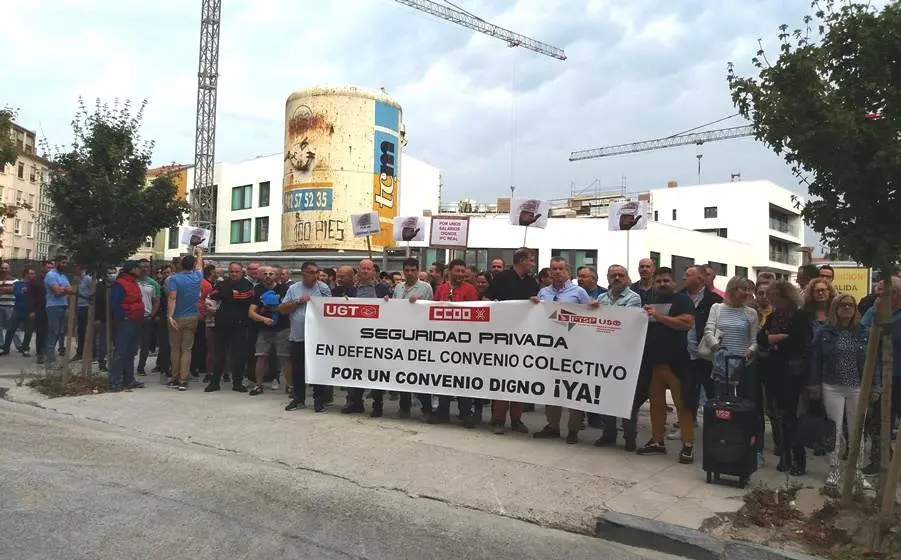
(489, 116)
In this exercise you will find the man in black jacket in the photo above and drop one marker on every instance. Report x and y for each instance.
(235, 295)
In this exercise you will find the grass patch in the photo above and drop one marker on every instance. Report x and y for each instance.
(53, 386)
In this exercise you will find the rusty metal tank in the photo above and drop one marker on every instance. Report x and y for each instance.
(342, 157)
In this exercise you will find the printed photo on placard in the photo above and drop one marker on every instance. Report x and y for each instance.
(365, 224)
(409, 228)
(529, 212)
(196, 237)
(626, 215)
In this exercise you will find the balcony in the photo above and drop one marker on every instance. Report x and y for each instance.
(785, 257)
(783, 226)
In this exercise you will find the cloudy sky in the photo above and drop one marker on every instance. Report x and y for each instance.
(487, 115)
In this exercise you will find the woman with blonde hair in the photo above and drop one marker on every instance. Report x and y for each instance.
(836, 365)
(731, 330)
(785, 341)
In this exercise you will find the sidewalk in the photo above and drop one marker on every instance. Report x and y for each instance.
(545, 482)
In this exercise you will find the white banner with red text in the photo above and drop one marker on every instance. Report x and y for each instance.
(547, 353)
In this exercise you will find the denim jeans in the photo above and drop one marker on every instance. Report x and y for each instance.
(122, 370)
(12, 324)
(6, 314)
(56, 329)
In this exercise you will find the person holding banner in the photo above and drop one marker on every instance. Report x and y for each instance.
(514, 283)
(295, 305)
(562, 290)
(455, 290)
(666, 353)
(413, 289)
(368, 286)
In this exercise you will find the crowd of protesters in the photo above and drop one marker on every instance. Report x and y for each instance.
(792, 350)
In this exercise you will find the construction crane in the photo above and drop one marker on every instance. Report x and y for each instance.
(203, 195)
(697, 138)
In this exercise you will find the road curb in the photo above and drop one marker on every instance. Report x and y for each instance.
(681, 541)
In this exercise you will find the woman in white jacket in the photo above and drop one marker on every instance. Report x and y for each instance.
(731, 333)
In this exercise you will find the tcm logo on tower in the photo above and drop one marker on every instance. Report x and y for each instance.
(455, 313)
(350, 310)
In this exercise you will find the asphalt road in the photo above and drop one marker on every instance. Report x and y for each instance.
(73, 489)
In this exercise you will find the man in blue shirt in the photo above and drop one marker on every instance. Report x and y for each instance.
(562, 290)
(58, 289)
(182, 312)
(588, 279)
(295, 304)
(20, 314)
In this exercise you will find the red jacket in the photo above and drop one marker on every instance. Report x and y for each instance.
(132, 303)
(465, 292)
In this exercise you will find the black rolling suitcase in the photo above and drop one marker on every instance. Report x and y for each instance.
(730, 432)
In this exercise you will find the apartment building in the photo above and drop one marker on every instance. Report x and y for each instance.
(21, 186)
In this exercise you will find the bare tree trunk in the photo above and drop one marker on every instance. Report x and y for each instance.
(884, 312)
(890, 481)
(855, 431)
(88, 350)
(67, 340)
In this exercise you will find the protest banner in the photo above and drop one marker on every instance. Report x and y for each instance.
(546, 353)
(852, 280)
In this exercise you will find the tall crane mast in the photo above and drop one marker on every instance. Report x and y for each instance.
(203, 196)
(697, 138)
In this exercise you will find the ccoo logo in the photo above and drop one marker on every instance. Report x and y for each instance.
(455, 313)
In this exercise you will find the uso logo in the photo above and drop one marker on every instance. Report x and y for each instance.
(454, 313)
(350, 310)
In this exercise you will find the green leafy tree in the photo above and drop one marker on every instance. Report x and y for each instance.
(8, 150)
(104, 208)
(830, 105)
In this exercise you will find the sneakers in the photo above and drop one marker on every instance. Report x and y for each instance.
(142, 372)
(519, 427)
(295, 405)
(183, 386)
(257, 390)
(687, 455)
(172, 384)
(547, 432)
(275, 385)
(652, 447)
(211, 388)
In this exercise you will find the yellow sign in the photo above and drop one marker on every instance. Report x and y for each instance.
(854, 281)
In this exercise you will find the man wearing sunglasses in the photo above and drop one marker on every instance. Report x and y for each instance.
(273, 327)
(562, 290)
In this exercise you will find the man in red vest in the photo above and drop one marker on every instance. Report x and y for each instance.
(127, 306)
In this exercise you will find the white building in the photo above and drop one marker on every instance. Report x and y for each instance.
(249, 202)
(741, 228)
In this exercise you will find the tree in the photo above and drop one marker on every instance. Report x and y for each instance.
(104, 207)
(8, 150)
(830, 105)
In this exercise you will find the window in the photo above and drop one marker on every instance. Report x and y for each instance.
(19, 195)
(679, 266)
(18, 229)
(264, 194)
(674, 214)
(710, 212)
(242, 197)
(28, 254)
(719, 268)
(240, 232)
(261, 227)
(741, 271)
(174, 233)
(31, 200)
(20, 170)
(29, 229)
(577, 258)
(33, 175)
(655, 257)
(655, 215)
(15, 252)
(719, 232)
